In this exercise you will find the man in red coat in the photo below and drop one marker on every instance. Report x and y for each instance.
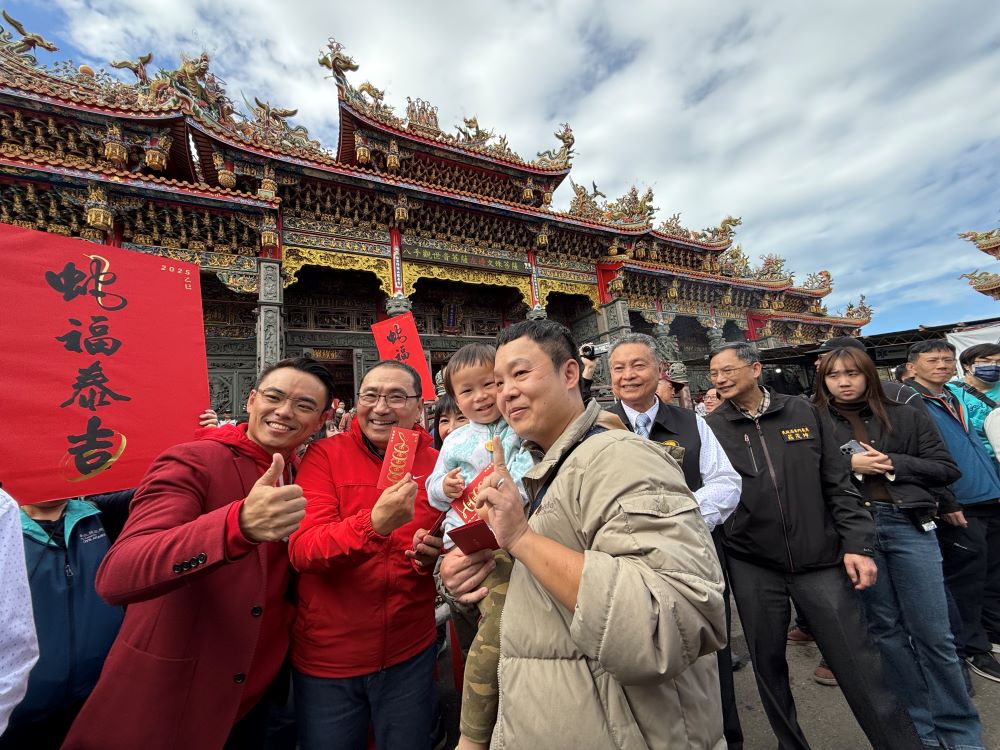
(203, 569)
(363, 643)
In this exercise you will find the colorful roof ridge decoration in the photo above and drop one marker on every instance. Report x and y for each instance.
(984, 282)
(421, 121)
(719, 236)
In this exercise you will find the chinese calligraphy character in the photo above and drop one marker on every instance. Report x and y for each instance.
(91, 389)
(71, 283)
(401, 354)
(98, 342)
(92, 453)
(395, 335)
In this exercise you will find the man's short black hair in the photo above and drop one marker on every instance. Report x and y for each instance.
(553, 338)
(307, 365)
(970, 355)
(925, 347)
(470, 355)
(395, 363)
(745, 352)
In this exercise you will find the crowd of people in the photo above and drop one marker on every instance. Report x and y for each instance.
(260, 588)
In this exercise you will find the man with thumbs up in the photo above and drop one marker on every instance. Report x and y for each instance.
(204, 570)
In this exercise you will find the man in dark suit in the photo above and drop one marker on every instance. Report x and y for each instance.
(635, 368)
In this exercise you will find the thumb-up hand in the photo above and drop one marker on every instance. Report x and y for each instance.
(499, 503)
(269, 512)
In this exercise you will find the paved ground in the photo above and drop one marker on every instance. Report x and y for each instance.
(823, 712)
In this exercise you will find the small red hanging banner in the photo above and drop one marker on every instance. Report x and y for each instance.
(397, 338)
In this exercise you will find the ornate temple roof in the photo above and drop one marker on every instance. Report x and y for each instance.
(187, 114)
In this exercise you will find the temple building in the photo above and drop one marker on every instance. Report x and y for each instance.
(302, 248)
(985, 282)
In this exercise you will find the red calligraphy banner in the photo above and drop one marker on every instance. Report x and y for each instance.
(397, 338)
(104, 363)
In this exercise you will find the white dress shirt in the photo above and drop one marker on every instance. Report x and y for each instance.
(721, 484)
(18, 642)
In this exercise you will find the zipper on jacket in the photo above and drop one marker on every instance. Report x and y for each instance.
(753, 459)
(777, 496)
(71, 683)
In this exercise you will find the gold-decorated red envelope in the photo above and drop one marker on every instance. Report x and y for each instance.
(473, 537)
(399, 456)
(475, 534)
(465, 504)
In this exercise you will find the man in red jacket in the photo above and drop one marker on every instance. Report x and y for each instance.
(203, 569)
(363, 642)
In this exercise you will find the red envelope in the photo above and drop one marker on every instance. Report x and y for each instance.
(465, 504)
(399, 456)
(473, 537)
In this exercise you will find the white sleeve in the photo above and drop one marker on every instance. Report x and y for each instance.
(18, 642)
(721, 484)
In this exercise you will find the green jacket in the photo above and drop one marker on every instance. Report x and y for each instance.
(633, 667)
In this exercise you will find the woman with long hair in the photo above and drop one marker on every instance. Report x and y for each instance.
(896, 455)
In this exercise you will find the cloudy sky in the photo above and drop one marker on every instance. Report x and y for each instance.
(852, 136)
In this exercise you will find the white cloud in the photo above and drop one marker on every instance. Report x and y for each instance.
(854, 136)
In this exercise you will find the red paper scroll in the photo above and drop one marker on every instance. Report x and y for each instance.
(399, 456)
(397, 338)
(104, 363)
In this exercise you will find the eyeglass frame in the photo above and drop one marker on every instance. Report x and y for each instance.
(282, 398)
(378, 396)
(727, 372)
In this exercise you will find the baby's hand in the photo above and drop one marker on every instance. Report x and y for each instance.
(454, 485)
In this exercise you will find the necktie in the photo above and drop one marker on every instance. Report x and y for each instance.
(642, 423)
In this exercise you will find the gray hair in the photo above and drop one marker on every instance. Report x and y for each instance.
(746, 353)
(638, 338)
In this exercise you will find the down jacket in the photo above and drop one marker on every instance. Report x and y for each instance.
(630, 668)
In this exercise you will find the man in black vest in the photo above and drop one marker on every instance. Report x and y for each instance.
(635, 369)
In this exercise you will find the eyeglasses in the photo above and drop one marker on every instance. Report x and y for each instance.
(277, 398)
(392, 400)
(726, 372)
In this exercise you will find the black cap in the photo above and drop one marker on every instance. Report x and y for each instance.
(838, 342)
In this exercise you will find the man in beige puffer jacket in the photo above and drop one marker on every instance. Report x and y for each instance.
(615, 604)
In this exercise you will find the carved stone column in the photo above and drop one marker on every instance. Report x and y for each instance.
(667, 342)
(713, 330)
(537, 313)
(612, 320)
(270, 328)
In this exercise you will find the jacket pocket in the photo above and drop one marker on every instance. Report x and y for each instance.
(135, 678)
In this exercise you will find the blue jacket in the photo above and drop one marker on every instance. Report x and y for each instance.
(980, 481)
(75, 626)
